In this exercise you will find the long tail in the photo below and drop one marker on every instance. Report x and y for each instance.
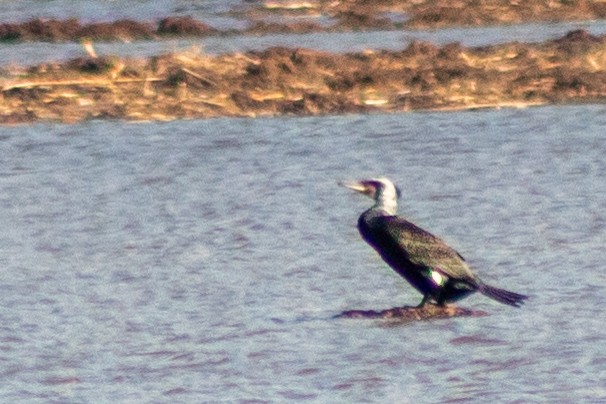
(502, 295)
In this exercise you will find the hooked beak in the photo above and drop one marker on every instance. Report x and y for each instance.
(355, 185)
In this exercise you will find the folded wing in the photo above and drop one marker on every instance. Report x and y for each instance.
(421, 247)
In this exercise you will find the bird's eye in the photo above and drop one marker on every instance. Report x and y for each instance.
(373, 184)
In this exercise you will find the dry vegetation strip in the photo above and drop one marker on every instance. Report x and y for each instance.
(304, 82)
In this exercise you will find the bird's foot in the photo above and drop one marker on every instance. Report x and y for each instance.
(429, 301)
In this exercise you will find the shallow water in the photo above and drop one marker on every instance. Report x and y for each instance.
(202, 261)
(110, 10)
(214, 13)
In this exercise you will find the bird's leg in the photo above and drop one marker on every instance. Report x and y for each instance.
(423, 302)
(440, 301)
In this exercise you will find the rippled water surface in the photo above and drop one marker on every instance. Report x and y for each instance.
(109, 10)
(203, 261)
(31, 53)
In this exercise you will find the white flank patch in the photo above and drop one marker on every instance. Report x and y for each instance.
(437, 278)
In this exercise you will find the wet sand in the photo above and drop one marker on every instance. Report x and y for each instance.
(281, 81)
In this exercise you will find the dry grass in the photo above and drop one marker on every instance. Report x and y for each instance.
(304, 82)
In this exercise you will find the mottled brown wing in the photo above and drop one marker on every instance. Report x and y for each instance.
(423, 248)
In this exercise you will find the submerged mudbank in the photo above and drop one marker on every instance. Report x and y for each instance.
(281, 81)
(410, 313)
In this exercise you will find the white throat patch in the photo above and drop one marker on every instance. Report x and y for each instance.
(387, 199)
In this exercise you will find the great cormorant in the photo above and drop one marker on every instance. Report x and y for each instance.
(428, 263)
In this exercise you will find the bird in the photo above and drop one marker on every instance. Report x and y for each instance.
(430, 265)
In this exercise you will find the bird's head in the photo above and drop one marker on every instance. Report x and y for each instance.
(383, 191)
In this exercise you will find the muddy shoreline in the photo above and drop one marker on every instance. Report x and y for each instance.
(429, 14)
(282, 81)
(291, 16)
